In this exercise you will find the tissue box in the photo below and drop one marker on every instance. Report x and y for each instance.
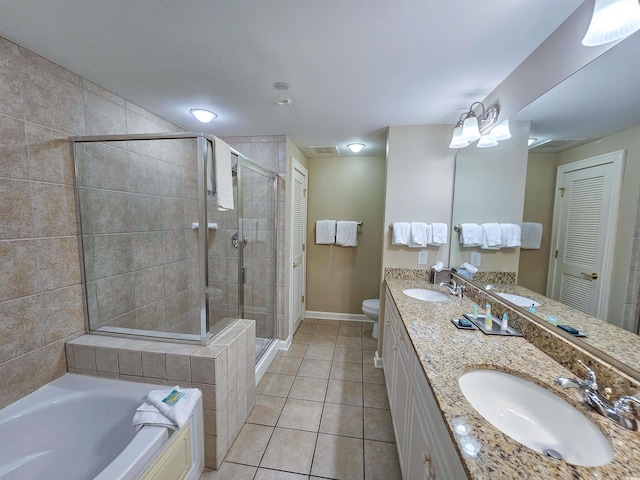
(442, 276)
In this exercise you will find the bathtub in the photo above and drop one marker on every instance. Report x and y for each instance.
(79, 428)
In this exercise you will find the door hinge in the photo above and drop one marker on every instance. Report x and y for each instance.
(304, 192)
(556, 255)
(562, 189)
(302, 298)
(303, 247)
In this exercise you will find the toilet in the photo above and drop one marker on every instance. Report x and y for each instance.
(371, 308)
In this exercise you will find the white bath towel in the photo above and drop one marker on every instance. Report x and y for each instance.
(401, 233)
(470, 235)
(418, 235)
(510, 235)
(347, 233)
(491, 236)
(325, 232)
(176, 404)
(147, 414)
(531, 235)
(224, 180)
(440, 233)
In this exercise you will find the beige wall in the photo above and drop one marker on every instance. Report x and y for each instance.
(489, 188)
(345, 188)
(41, 300)
(538, 208)
(419, 187)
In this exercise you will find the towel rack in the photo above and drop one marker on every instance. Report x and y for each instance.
(457, 227)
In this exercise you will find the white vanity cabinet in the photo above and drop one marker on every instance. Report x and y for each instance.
(425, 448)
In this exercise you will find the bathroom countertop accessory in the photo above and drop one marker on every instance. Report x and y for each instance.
(495, 327)
(465, 325)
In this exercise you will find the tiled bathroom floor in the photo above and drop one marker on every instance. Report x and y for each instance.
(321, 412)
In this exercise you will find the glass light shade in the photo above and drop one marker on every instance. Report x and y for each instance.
(456, 140)
(486, 141)
(203, 116)
(470, 130)
(501, 131)
(612, 20)
(355, 147)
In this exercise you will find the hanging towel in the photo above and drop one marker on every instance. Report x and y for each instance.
(224, 180)
(510, 235)
(347, 233)
(470, 235)
(401, 233)
(531, 235)
(176, 404)
(325, 232)
(491, 236)
(418, 235)
(440, 232)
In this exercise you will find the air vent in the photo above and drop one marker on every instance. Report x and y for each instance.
(324, 151)
(558, 145)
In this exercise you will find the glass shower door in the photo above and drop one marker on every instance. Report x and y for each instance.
(257, 256)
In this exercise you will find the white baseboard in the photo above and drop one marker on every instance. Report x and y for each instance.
(265, 361)
(352, 317)
(285, 344)
(377, 361)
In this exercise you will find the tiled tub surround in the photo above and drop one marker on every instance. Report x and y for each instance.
(224, 370)
(446, 353)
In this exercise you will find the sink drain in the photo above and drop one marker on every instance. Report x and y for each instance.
(550, 452)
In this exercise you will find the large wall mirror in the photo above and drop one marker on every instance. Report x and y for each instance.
(592, 113)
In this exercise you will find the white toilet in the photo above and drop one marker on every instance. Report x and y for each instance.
(371, 308)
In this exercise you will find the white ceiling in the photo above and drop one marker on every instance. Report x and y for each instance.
(354, 66)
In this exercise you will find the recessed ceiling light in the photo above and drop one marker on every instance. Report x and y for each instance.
(281, 86)
(203, 116)
(356, 147)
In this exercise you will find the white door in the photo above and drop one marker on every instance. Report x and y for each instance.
(299, 235)
(585, 218)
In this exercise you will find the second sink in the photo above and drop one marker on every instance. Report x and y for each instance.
(426, 295)
(536, 417)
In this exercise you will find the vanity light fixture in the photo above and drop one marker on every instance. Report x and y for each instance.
(487, 141)
(501, 131)
(470, 126)
(203, 116)
(356, 147)
(612, 20)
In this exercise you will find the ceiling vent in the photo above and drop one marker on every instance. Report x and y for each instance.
(324, 151)
(559, 145)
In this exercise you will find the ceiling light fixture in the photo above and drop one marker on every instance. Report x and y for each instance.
(470, 127)
(501, 131)
(487, 141)
(612, 20)
(203, 116)
(281, 86)
(356, 147)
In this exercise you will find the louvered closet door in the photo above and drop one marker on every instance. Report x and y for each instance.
(299, 222)
(581, 242)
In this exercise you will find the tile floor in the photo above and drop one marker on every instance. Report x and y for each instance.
(321, 412)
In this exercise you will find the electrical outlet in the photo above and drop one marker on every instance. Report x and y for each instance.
(423, 257)
(475, 258)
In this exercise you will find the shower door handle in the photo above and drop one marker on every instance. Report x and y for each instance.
(242, 274)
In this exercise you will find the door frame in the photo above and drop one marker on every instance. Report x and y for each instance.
(616, 158)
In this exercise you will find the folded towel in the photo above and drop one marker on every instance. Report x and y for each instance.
(531, 235)
(325, 232)
(510, 235)
(347, 233)
(469, 268)
(470, 235)
(176, 404)
(147, 414)
(401, 233)
(224, 180)
(491, 236)
(440, 232)
(418, 235)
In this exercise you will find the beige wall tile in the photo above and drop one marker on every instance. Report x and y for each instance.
(107, 360)
(61, 313)
(84, 357)
(178, 367)
(105, 166)
(110, 211)
(102, 116)
(18, 265)
(153, 364)
(13, 145)
(149, 285)
(130, 362)
(16, 215)
(10, 88)
(58, 262)
(115, 296)
(54, 209)
(50, 155)
(21, 328)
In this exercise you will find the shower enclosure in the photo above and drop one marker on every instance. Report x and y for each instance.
(150, 269)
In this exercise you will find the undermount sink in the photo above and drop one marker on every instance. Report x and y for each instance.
(536, 417)
(519, 300)
(426, 295)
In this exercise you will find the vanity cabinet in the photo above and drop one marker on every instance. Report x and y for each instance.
(425, 448)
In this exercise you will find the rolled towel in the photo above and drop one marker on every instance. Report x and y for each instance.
(401, 233)
(418, 236)
(469, 268)
(510, 235)
(440, 232)
(471, 235)
(491, 236)
(347, 233)
(325, 232)
(531, 235)
(176, 404)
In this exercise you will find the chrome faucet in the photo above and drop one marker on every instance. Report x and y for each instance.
(454, 288)
(622, 411)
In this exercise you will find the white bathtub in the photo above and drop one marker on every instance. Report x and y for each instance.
(79, 428)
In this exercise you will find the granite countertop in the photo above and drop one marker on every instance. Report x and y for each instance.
(620, 344)
(446, 352)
